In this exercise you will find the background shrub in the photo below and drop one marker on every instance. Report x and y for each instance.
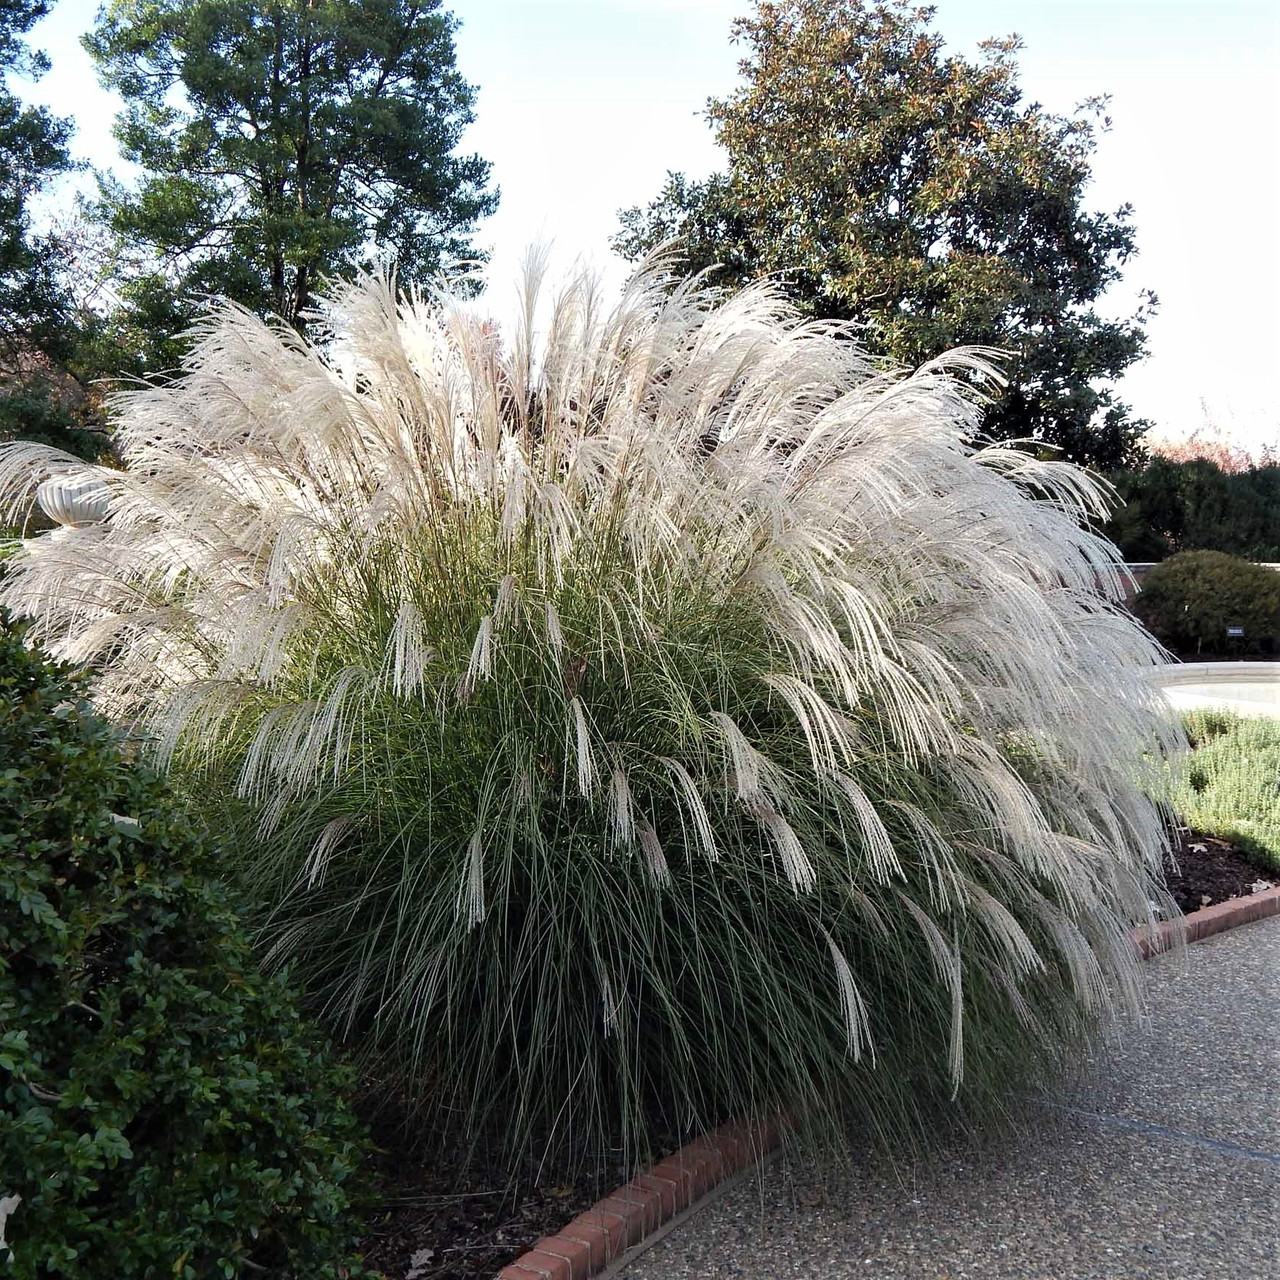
(1189, 601)
(656, 720)
(1194, 505)
(162, 1110)
(1230, 784)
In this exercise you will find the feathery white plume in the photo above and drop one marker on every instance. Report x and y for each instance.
(816, 634)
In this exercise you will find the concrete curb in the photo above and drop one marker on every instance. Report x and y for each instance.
(612, 1227)
(1206, 922)
(1176, 673)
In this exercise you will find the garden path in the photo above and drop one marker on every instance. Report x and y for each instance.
(1165, 1162)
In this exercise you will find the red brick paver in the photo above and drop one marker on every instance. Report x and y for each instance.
(1204, 923)
(639, 1207)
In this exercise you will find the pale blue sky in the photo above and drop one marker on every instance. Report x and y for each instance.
(585, 104)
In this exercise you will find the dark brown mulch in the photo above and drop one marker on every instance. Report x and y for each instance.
(1203, 870)
(465, 1225)
(442, 1220)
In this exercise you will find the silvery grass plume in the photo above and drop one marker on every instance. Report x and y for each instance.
(654, 714)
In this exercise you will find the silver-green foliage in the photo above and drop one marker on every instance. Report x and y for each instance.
(655, 708)
(1230, 785)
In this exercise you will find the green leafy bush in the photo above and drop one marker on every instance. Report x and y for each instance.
(1195, 505)
(666, 717)
(32, 413)
(1190, 600)
(1229, 786)
(162, 1111)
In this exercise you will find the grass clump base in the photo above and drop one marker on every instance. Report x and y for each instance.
(650, 715)
(162, 1111)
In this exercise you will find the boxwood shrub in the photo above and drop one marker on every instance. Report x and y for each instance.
(1190, 600)
(163, 1112)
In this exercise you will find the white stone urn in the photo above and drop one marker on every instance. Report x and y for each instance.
(74, 501)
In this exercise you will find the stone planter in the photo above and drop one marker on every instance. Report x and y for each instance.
(74, 501)
(1247, 688)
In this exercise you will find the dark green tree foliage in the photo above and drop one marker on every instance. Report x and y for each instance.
(38, 329)
(282, 141)
(162, 1110)
(1189, 601)
(32, 408)
(886, 181)
(33, 149)
(1167, 507)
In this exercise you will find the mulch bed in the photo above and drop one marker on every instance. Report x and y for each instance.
(466, 1225)
(1203, 870)
(467, 1222)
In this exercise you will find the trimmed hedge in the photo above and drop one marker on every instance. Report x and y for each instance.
(1171, 506)
(163, 1112)
(1189, 601)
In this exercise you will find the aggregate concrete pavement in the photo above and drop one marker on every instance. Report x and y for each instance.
(1164, 1162)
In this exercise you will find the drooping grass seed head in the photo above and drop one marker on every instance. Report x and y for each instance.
(656, 709)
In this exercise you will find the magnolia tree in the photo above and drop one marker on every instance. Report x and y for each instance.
(649, 715)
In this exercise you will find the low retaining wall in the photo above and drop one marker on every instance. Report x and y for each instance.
(1247, 688)
(641, 1207)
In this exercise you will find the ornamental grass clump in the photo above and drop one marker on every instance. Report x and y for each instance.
(652, 715)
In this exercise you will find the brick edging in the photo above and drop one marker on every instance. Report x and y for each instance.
(1198, 925)
(637, 1209)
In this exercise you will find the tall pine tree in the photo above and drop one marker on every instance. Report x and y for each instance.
(282, 141)
(40, 329)
(33, 150)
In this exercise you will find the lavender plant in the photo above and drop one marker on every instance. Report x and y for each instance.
(654, 714)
